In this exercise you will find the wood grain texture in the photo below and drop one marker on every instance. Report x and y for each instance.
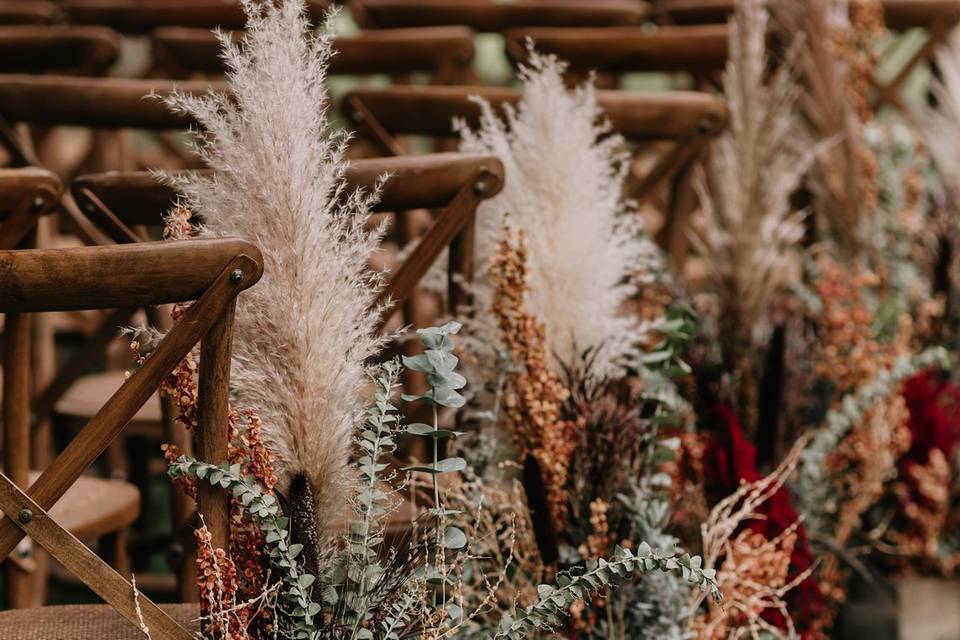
(636, 115)
(36, 49)
(139, 274)
(16, 434)
(81, 561)
(143, 15)
(393, 51)
(491, 15)
(111, 103)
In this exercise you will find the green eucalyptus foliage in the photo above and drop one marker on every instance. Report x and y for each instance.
(296, 602)
(555, 600)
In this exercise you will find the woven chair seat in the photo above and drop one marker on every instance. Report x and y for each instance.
(93, 507)
(83, 622)
(88, 395)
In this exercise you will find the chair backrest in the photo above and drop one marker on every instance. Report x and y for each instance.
(495, 16)
(696, 49)
(212, 272)
(142, 16)
(453, 184)
(41, 48)
(25, 194)
(28, 12)
(445, 52)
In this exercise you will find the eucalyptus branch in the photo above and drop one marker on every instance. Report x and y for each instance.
(299, 608)
(555, 601)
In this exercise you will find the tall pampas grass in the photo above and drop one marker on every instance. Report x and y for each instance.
(303, 333)
(750, 226)
(565, 173)
(940, 124)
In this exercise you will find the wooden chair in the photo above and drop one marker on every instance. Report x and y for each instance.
(143, 16)
(684, 121)
(699, 50)
(39, 49)
(93, 508)
(937, 17)
(446, 53)
(494, 16)
(212, 272)
(28, 12)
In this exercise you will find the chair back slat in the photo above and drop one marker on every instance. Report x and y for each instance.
(37, 49)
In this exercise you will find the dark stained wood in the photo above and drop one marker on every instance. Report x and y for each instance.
(104, 427)
(35, 49)
(491, 15)
(428, 181)
(372, 52)
(636, 115)
(140, 274)
(28, 12)
(899, 14)
(140, 16)
(628, 49)
(213, 430)
(80, 560)
(16, 433)
(94, 102)
(18, 185)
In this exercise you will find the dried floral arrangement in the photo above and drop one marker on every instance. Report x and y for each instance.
(310, 554)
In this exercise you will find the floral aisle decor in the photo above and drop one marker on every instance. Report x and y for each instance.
(315, 425)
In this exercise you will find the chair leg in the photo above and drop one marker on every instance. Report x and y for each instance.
(114, 547)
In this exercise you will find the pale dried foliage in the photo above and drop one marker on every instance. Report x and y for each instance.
(750, 226)
(840, 178)
(566, 171)
(304, 332)
(940, 124)
(752, 571)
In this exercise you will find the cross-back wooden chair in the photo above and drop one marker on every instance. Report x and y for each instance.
(93, 508)
(143, 16)
(43, 48)
(686, 121)
(446, 53)
(212, 272)
(28, 12)
(495, 16)
(698, 50)
(937, 17)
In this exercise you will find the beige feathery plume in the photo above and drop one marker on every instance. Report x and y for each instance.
(940, 124)
(750, 226)
(305, 331)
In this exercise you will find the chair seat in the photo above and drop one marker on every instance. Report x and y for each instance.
(93, 507)
(83, 622)
(90, 393)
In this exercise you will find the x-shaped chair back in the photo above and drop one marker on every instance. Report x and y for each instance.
(43, 48)
(212, 272)
(687, 120)
(142, 16)
(446, 53)
(451, 183)
(495, 16)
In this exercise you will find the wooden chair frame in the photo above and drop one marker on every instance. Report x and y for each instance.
(212, 272)
(454, 184)
(28, 12)
(27, 194)
(36, 49)
(688, 119)
(444, 52)
(493, 16)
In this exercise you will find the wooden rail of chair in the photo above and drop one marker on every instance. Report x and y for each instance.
(144, 15)
(139, 275)
(33, 49)
(112, 103)
(637, 115)
(698, 49)
(28, 12)
(491, 15)
(391, 51)
(55, 280)
(25, 194)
